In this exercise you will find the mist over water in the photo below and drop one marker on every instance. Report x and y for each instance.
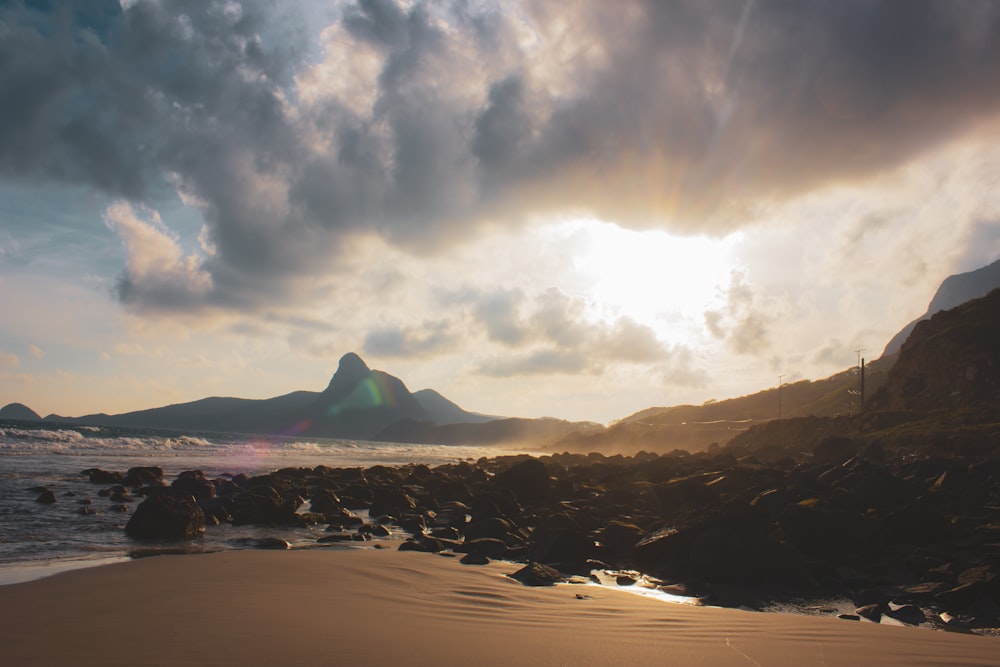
(38, 539)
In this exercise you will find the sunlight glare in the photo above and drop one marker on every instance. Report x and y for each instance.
(651, 275)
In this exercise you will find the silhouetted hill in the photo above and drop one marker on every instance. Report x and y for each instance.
(523, 433)
(358, 403)
(696, 427)
(20, 412)
(954, 291)
(442, 411)
(950, 361)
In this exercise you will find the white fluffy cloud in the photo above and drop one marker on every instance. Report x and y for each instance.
(156, 267)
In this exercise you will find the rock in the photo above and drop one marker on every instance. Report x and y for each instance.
(376, 530)
(451, 514)
(528, 480)
(143, 476)
(389, 500)
(46, 497)
(98, 476)
(86, 510)
(906, 613)
(849, 617)
(618, 540)
(487, 546)
(494, 527)
(121, 496)
(422, 543)
(560, 545)
(262, 505)
(872, 612)
(166, 517)
(326, 502)
(193, 483)
(537, 574)
(474, 558)
(336, 537)
(272, 543)
(625, 580)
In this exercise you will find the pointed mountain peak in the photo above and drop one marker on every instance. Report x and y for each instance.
(352, 364)
(350, 371)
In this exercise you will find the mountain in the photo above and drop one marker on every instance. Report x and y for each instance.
(951, 361)
(20, 412)
(523, 433)
(358, 403)
(953, 292)
(440, 410)
(696, 427)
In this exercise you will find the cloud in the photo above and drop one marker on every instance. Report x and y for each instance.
(36, 352)
(429, 339)
(423, 123)
(156, 268)
(553, 332)
(9, 360)
(743, 327)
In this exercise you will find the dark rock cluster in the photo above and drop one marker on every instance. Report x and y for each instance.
(911, 537)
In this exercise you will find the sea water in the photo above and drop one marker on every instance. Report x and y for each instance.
(38, 539)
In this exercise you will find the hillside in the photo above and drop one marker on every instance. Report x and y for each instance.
(358, 403)
(954, 291)
(696, 427)
(950, 361)
(19, 412)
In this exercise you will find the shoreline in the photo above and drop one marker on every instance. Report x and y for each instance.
(381, 606)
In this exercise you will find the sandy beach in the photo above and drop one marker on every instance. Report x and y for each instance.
(383, 607)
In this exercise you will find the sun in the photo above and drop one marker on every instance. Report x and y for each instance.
(650, 275)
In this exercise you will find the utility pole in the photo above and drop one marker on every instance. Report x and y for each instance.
(861, 389)
(861, 381)
(780, 377)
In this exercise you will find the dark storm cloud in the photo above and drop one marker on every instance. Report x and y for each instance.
(677, 113)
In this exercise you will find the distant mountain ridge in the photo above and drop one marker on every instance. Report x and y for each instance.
(19, 412)
(358, 403)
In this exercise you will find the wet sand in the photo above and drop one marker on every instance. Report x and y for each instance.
(383, 607)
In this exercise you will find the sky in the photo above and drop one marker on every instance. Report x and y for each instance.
(577, 209)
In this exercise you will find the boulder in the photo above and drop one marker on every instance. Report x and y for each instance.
(487, 546)
(46, 497)
(528, 480)
(143, 476)
(474, 558)
(166, 517)
(872, 612)
(391, 500)
(193, 483)
(906, 613)
(272, 543)
(561, 545)
(98, 476)
(537, 574)
(618, 539)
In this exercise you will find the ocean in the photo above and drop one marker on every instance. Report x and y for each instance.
(40, 539)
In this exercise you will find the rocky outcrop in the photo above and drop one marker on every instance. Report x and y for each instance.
(950, 361)
(166, 516)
